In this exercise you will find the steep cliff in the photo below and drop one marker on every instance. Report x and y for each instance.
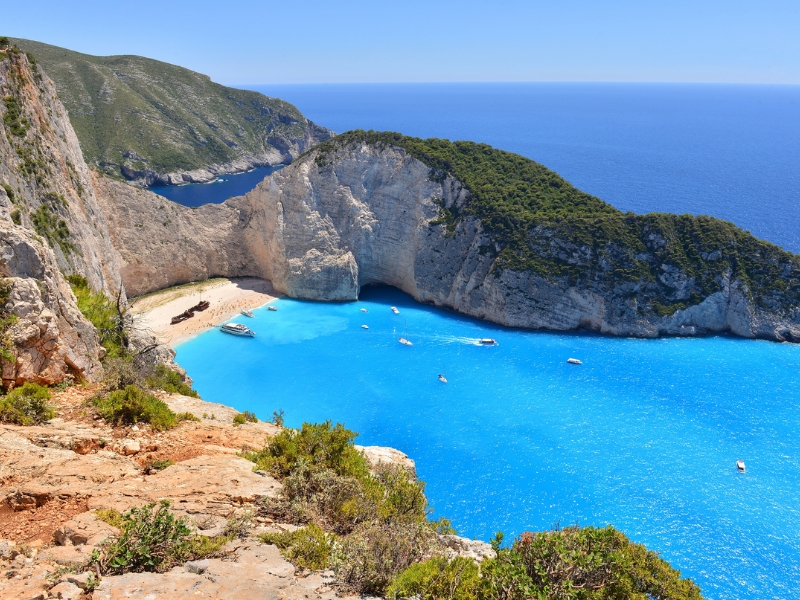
(468, 227)
(50, 224)
(153, 122)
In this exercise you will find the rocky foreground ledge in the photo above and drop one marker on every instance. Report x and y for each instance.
(55, 477)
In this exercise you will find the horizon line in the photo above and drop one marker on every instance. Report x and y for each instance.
(536, 81)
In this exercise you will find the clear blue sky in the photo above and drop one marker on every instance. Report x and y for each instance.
(249, 41)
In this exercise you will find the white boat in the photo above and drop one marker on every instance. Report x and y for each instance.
(365, 327)
(487, 341)
(248, 313)
(740, 466)
(237, 329)
(574, 361)
(404, 341)
(442, 378)
(395, 311)
(272, 308)
(364, 310)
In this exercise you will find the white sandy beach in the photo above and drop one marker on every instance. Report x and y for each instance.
(227, 297)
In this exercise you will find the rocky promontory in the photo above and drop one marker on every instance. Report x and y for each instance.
(367, 208)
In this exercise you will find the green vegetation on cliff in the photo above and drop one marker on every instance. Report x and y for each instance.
(140, 114)
(372, 528)
(540, 222)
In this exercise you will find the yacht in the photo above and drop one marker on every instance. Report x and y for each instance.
(395, 311)
(248, 313)
(442, 378)
(487, 341)
(365, 327)
(574, 361)
(404, 341)
(237, 329)
(272, 308)
(740, 466)
(364, 310)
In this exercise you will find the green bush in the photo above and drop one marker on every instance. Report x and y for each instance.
(309, 547)
(368, 559)
(245, 417)
(102, 313)
(239, 420)
(318, 445)
(134, 405)
(170, 381)
(153, 539)
(27, 405)
(438, 579)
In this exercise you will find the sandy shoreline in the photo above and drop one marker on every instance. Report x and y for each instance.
(228, 297)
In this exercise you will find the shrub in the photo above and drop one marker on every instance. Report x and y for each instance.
(245, 417)
(134, 405)
(438, 579)
(153, 539)
(160, 465)
(170, 381)
(27, 405)
(320, 445)
(373, 555)
(277, 417)
(239, 420)
(110, 516)
(16, 216)
(102, 313)
(309, 547)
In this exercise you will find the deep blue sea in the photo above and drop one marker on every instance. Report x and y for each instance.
(216, 192)
(644, 435)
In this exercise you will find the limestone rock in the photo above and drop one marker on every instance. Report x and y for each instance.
(66, 590)
(381, 455)
(130, 447)
(467, 548)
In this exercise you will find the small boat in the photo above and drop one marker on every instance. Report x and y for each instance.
(487, 341)
(248, 313)
(364, 310)
(574, 361)
(404, 341)
(740, 466)
(272, 308)
(395, 311)
(442, 378)
(365, 327)
(237, 329)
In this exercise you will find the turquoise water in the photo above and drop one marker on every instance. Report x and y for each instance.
(643, 435)
(215, 192)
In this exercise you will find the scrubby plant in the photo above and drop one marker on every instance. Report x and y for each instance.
(7, 320)
(103, 314)
(308, 547)
(170, 381)
(153, 539)
(53, 228)
(159, 465)
(27, 405)
(277, 417)
(318, 445)
(438, 579)
(244, 417)
(133, 405)
(110, 516)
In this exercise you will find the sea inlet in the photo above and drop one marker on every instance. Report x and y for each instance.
(643, 435)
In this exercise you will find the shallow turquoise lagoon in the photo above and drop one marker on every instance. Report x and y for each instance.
(643, 435)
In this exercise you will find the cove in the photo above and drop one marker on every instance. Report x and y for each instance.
(215, 192)
(644, 435)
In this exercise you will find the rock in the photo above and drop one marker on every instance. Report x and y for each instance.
(381, 455)
(82, 529)
(130, 447)
(474, 549)
(196, 566)
(82, 579)
(66, 590)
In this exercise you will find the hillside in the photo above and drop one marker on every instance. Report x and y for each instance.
(153, 122)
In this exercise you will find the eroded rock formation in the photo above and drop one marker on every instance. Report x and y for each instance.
(370, 214)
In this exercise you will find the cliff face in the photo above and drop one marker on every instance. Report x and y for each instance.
(50, 223)
(335, 221)
(156, 123)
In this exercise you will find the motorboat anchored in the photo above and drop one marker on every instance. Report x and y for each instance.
(364, 310)
(740, 466)
(272, 308)
(365, 327)
(237, 329)
(442, 378)
(404, 341)
(248, 313)
(395, 311)
(487, 341)
(574, 361)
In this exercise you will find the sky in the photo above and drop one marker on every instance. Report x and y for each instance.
(262, 42)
